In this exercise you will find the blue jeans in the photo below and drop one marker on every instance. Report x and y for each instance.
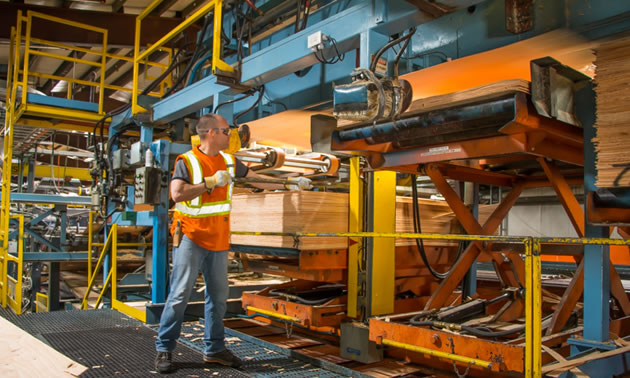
(188, 260)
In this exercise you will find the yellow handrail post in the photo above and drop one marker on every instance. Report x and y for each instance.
(27, 51)
(536, 309)
(136, 68)
(528, 310)
(101, 92)
(108, 241)
(114, 270)
(90, 236)
(103, 290)
(6, 160)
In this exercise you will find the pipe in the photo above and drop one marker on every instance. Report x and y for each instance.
(273, 314)
(439, 354)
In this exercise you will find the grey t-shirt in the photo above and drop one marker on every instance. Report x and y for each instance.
(181, 171)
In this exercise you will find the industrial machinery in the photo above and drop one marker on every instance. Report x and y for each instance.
(412, 296)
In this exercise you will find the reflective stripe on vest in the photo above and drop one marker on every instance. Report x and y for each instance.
(196, 208)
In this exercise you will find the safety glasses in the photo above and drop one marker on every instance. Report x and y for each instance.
(225, 131)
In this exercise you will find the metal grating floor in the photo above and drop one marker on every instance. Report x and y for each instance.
(110, 344)
(129, 352)
(68, 321)
(258, 361)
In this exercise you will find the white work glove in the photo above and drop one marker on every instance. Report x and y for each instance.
(300, 183)
(220, 178)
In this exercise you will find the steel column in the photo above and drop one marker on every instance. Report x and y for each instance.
(381, 267)
(355, 224)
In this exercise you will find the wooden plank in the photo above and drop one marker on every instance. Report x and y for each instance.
(327, 212)
(569, 364)
(26, 356)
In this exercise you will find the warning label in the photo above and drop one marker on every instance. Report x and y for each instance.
(441, 151)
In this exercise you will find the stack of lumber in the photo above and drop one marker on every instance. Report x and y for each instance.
(613, 114)
(290, 212)
(326, 212)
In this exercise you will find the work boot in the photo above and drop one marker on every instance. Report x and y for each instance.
(163, 362)
(224, 357)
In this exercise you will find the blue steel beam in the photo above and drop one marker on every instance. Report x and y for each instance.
(54, 256)
(291, 54)
(40, 217)
(41, 239)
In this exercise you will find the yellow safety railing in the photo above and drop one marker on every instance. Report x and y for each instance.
(11, 93)
(92, 273)
(41, 302)
(29, 50)
(14, 284)
(533, 292)
(217, 63)
(112, 277)
(21, 72)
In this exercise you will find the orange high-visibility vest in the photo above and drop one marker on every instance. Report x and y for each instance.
(206, 219)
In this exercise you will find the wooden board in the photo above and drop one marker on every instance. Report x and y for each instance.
(25, 356)
(613, 114)
(326, 212)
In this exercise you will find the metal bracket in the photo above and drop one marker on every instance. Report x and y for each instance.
(553, 89)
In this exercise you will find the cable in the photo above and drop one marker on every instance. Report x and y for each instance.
(272, 101)
(198, 52)
(389, 45)
(402, 50)
(249, 93)
(307, 7)
(475, 331)
(313, 302)
(254, 7)
(338, 58)
(261, 93)
(417, 227)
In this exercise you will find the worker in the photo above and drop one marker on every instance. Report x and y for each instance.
(201, 186)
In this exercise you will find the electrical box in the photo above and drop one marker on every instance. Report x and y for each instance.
(148, 182)
(120, 159)
(355, 344)
(315, 41)
(136, 154)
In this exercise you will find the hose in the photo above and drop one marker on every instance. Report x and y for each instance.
(475, 331)
(389, 45)
(297, 298)
(261, 93)
(417, 228)
(402, 49)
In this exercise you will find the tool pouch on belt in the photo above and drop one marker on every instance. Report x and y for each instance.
(177, 236)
